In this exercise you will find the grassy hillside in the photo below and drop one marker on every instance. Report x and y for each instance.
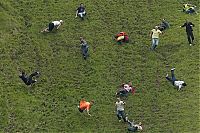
(51, 104)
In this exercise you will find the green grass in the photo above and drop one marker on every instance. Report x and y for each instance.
(50, 105)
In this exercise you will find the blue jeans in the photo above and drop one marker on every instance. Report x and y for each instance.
(120, 115)
(173, 79)
(154, 43)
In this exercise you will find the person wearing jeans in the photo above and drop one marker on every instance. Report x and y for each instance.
(120, 110)
(28, 80)
(174, 81)
(155, 37)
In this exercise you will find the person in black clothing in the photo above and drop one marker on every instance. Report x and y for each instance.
(189, 32)
(81, 11)
(28, 80)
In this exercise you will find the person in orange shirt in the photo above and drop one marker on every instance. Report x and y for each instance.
(85, 106)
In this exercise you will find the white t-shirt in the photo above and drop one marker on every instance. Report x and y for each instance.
(156, 33)
(127, 87)
(178, 84)
(120, 105)
(56, 23)
(138, 126)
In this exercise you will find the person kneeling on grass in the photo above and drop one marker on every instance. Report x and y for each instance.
(177, 83)
(80, 11)
(125, 89)
(28, 80)
(122, 37)
(85, 106)
(84, 48)
(53, 25)
(134, 127)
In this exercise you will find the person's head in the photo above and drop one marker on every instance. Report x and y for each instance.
(156, 27)
(61, 21)
(184, 84)
(140, 123)
(81, 5)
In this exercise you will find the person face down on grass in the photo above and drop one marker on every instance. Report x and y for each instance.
(84, 105)
(177, 83)
(120, 109)
(84, 47)
(53, 25)
(81, 12)
(122, 37)
(28, 80)
(154, 34)
(125, 89)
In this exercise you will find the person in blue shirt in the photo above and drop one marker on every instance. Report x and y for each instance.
(81, 12)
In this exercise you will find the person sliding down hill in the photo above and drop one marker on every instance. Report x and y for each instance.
(28, 80)
(177, 83)
(122, 37)
(134, 127)
(53, 25)
(80, 11)
(84, 48)
(163, 25)
(85, 106)
(125, 89)
(189, 8)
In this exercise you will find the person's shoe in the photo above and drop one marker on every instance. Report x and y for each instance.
(78, 106)
(191, 44)
(172, 69)
(167, 75)
(35, 80)
(120, 120)
(38, 72)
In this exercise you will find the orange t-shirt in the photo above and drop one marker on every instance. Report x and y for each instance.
(84, 105)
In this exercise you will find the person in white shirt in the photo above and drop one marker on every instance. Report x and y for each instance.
(177, 83)
(53, 25)
(125, 89)
(154, 34)
(120, 109)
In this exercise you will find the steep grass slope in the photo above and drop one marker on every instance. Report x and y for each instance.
(51, 104)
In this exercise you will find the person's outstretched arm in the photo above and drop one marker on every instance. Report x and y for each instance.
(76, 14)
(183, 25)
(88, 112)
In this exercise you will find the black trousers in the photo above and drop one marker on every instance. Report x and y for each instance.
(51, 26)
(28, 80)
(190, 37)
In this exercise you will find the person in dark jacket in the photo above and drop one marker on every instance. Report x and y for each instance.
(84, 48)
(188, 26)
(28, 80)
(81, 12)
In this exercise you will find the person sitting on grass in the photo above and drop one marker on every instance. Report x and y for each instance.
(125, 89)
(53, 25)
(132, 127)
(189, 8)
(84, 48)
(28, 80)
(85, 106)
(163, 25)
(177, 83)
(122, 37)
(81, 12)
(120, 110)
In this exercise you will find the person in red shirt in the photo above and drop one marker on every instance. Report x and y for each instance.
(85, 106)
(122, 37)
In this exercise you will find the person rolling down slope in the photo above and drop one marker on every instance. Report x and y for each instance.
(155, 37)
(177, 83)
(84, 48)
(122, 37)
(81, 12)
(163, 25)
(125, 89)
(189, 8)
(28, 80)
(85, 106)
(53, 25)
(134, 127)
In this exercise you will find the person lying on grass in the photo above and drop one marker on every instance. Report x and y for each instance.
(85, 106)
(28, 80)
(53, 25)
(125, 89)
(189, 8)
(132, 127)
(177, 83)
(84, 48)
(163, 25)
(120, 109)
(121, 38)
